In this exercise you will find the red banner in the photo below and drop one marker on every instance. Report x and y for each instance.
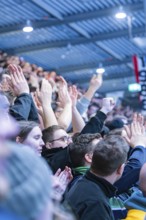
(140, 74)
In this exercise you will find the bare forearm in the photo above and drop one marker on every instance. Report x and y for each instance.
(49, 116)
(77, 121)
(65, 118)
(89, 93)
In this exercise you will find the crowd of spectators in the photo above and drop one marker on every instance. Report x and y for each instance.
(65, 154)
(35, 74)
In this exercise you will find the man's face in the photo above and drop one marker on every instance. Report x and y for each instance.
(60, 139)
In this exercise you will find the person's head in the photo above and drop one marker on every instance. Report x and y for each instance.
(30, 135)
(116, 131)
(29, 184)
(142, 179)
(109, 157)
(116, 123)
(123, 118)
(92, 109)
(55, 136)
(81, 150)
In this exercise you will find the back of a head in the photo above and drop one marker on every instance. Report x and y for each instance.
(29, 183)
(49, 132)
(142, 179)
(82, 144)
(115, 123)
(109, 154)
(116, 131)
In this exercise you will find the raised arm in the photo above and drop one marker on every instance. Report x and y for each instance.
(23, 108)
(77, 120)
(46, 99)
(95, 84)
(19, 87)
(137, 140)
(95, 124)
(65, 117)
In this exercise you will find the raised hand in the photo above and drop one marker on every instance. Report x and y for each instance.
(138, 118)
(18, 83)
(62, 81)
(135, 133)
(94, 85)
(107, 105)
(61, 180)
(73, 92)
(63, 94)
(45, 97)
(96, 81)
(37, 102)
(46, 92)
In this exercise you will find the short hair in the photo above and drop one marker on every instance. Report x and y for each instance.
(82, 144)
(48, 133)
(25, 127)
(115, 123)
(116, 131)
(109, 154)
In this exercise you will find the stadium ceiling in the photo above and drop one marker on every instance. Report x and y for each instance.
(74, 37)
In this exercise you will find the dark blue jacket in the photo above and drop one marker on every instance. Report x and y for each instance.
(24, 108)
(132, 169)
(89, 198)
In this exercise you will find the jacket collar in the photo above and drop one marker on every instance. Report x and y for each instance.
(48, 152)
(106, 186)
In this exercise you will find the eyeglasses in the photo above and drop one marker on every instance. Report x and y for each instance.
(64, 138)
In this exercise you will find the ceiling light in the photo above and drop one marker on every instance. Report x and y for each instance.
(100, 70)
(28, 27)
(120, 15)
(140, 41)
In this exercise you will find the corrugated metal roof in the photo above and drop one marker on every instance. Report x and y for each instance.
(123, 46)
(109, 24)
(70, 55)
(18, 39)
(73, 36)
(14, 12)
(68, 7)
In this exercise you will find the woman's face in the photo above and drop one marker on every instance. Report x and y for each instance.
(34, 140)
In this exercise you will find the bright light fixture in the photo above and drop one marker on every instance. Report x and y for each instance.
(121, 15)
(135, 87)
(28, 27)
(100, 70)
(140, 41)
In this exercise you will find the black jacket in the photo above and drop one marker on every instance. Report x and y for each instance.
(95, 124)
(89, 198)
(24, 108)
(59, 157)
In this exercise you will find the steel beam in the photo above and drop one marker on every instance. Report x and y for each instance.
(59, 20)
(76, 41)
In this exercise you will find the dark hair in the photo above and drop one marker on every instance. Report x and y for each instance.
(82, 144)
(115, 123)
(117, 131)
(25, 127)
(48, 133)
(109, 154)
